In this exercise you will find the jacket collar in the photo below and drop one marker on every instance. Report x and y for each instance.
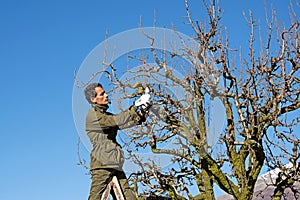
(99, 107)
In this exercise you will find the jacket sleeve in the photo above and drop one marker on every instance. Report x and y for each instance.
(125, 119)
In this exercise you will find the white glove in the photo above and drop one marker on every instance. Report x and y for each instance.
(143, 101)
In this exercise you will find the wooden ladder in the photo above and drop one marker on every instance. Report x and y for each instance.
(113, 184)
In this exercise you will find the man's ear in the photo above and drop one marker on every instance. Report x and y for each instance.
(93, 100)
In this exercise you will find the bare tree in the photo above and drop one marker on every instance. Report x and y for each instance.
(259, 93)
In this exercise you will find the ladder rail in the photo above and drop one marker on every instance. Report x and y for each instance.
(113, 184)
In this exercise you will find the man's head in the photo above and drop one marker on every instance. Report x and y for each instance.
(95, 94)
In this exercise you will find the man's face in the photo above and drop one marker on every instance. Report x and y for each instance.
(101, 97)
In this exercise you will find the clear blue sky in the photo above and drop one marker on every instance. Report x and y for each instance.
(41, 44)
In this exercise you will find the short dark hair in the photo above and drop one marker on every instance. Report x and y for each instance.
(90, 92)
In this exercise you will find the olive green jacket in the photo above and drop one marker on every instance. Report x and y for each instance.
(102, 127)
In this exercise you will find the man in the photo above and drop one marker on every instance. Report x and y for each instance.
(107, 157)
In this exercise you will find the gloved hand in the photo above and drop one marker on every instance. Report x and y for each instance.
(142, 105)
(143, 101)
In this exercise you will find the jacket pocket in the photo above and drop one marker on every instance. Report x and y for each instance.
(109, 154)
